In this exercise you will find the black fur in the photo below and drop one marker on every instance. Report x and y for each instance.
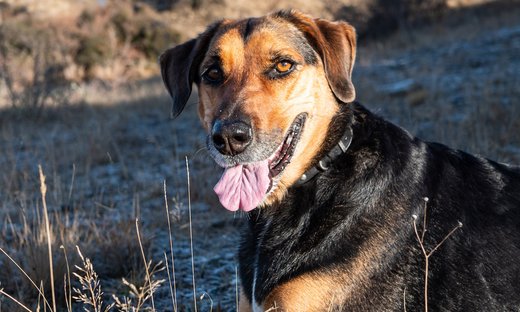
(372, 191)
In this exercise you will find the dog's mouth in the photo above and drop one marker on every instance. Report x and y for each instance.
(245, 186)
(282, 157)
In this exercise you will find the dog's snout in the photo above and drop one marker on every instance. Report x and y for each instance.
(231, 137)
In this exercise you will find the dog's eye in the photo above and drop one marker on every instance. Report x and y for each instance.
(212, 75)
(284, 67)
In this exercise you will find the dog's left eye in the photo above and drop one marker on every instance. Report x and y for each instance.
(213, 75)
(284, 67)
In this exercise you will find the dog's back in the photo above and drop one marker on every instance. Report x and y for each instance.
(479, 268)
(347, 242)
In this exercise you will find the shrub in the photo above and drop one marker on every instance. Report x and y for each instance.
(31, 66)
(152, 38)
(91, 51)
(381, 18)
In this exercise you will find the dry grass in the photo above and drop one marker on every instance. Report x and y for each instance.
(98, 158)
(88, 293)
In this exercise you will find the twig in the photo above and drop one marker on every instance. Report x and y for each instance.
(426, 254)
(205, 294)
(426, 199)
(173, 291)
(28, 277)
(169, 281)
(2, 292)
(191, 236)
(459, 225)
(68, 290)
(146, 265)
(426, 264)
(42, 289)
(43, 190)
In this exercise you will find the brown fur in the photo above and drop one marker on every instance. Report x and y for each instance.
(326, 290)
(271, 105)
(308, 292)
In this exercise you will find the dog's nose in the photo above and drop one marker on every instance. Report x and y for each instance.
(231, 137)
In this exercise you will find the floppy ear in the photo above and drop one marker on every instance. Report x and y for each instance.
(179, 66)
(335, 42)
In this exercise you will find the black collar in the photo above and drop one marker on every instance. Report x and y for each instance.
(324, 164)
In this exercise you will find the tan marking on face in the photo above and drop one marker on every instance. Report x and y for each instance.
(231, 46)
(274, 104)
(208, 105)
(231, 52)
(310, 94)
(271, 104)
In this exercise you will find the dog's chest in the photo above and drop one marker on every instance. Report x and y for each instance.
(260, 261)
(258, 265)
(271, 253)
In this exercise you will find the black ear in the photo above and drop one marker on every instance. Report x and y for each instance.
(179, 67)
(176, 66)
(335, 42)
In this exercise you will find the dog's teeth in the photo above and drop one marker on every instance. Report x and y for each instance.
(287, 148)
(289, 141)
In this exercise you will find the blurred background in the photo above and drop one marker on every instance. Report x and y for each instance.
(80, 95)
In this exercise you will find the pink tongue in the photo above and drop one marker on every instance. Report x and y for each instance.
(243, 186)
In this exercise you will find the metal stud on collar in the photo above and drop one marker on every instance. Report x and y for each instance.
(324, 164)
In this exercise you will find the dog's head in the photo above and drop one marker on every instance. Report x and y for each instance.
(268, 89)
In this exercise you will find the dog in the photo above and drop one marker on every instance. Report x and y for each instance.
(346, 211)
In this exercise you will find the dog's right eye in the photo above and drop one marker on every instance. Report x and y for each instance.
(284, 67)
(281, 69)
(213, 75)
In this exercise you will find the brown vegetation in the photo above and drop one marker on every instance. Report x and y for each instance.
(116, 42)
